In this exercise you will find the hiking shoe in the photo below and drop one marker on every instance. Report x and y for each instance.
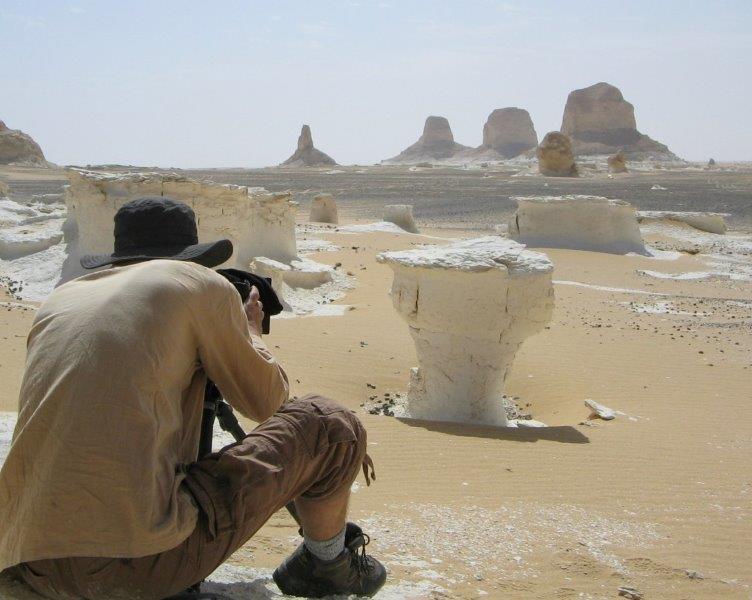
(352, 572)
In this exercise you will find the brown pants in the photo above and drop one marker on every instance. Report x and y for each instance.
(311, 447)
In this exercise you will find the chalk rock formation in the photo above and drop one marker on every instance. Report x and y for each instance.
(25, 229)
(306, 155)
(510, 132)
(464, 355)
(324, 209)
(617, 163)
(577, 223)
(436, 144)
(600, 121)
(704, 221)
(555, 156)
(258, 223)
(16, 147)
(401, 215)
(4, 190)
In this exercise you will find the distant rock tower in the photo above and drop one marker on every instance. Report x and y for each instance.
(600, 121)
(306, 154)
(510, 132)
(436, 144)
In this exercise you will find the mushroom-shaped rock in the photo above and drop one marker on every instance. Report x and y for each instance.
(617, 163)
(600, 121)
(575, 222)
(258, 222)
(555, 156)
(436, 144)
(711, 222)
(401, 215)
(324, 209)
(464, 354)
(16, 147)
(306, 155)
(509, 131)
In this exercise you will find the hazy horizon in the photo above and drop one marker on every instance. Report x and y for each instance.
(184, 84)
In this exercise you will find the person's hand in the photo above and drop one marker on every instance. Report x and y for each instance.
(254, 311)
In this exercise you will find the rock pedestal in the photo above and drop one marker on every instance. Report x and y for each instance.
(577, 223)
(510, 132)
(324, 209)
(258, 223)
(401, 215)
(464, 354)
(555, 156)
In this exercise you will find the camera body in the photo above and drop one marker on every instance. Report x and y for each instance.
(244, 281)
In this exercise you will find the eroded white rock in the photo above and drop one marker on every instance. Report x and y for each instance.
(401, 215)
(259, 223)
(324, 209)
(469, 306)
(704, 221)
(578, 223)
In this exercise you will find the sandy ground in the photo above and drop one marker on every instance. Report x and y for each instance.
(659, 499)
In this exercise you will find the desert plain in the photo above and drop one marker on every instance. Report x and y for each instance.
(658, 500)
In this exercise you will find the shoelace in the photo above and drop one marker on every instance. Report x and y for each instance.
(362, 562)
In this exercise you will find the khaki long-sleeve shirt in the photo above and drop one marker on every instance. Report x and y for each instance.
(110, 409)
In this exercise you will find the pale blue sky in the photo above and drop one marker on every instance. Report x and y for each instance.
(229, 83)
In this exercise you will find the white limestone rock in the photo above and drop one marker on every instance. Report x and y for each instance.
(577, 222)
(259, 223)
(469, 306)
(324, 209)
(4, 190)
(704, 221)
(401, 215)
(604, 412)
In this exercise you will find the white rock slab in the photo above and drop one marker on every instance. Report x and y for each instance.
(469, 305)
(704, 221)
(577, 222)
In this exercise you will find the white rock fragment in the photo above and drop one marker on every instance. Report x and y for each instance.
(258, 223)
(469, 306)
(704, 221)
(401, 215)
(630, 593)
(578, 223)
(324, 209)
(603, 412)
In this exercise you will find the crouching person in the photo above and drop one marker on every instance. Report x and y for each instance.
(101, 495)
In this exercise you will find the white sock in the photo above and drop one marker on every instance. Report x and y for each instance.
(327, 549)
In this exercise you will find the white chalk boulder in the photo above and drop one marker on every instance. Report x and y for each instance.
(324, 209)
(704, 221)
(401, 215)
(258, 223)
(576, 222)
(469, 306)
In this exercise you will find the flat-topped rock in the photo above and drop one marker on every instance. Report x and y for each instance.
(16, 147)
(306, 155)
(555, 156)
(436, 144)
(464, 355)
(711, 222)
(324, 209)
(600, 121)
(258, 222)
(577, 222)
(510, 132)
(401, 215)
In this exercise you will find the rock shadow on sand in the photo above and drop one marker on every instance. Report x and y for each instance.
(563, 434)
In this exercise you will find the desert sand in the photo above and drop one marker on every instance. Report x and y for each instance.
(658, 499)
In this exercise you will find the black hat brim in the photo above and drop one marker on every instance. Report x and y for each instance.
(211, 254)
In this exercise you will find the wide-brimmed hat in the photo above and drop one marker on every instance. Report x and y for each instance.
(157, 227)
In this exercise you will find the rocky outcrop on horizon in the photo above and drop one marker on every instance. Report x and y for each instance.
(306, 155)
(17, 147)
(555, 156)
(510, 132)
(436, 144)
(600, 121)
